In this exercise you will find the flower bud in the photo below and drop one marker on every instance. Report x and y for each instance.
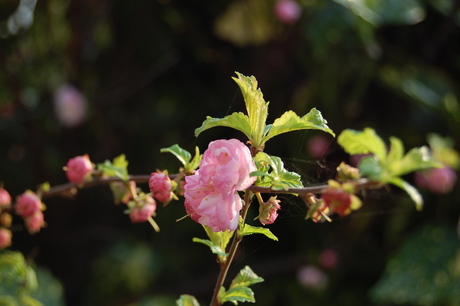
(143, 210)
(27, 204)
(5, 238)
(338, 200)
(6, 219)
(78, 169)
(122, 191)
(35, 222)
(5, 198)
(160, 187)
(437, 180)
(268, 211)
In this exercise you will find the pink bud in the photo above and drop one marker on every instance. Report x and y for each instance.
(5, 198)
(35, 222)
(437, 180)
(78, 169)
(144, 211)
(27, 204)
(287, 11)
(160, 187)
(122, 192)
(338, 200)
(268, 211)
(70, 106)
(5, 238)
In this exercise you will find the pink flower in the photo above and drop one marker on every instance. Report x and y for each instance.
(35, 222)
(70, 106)
(287, 11)
(5, 198)
(338, 200)
(160, 187)
(437, 180)
(78, 168)
(27, 204)
(143, 211)
(318, 146)
(268, 211)
(210, 194)
(5, 238)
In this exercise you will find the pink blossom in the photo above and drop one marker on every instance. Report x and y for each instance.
(287, 11)
(144, 211)
(27, 204)
(437, 180)
(5, 198)
(160, 187)
(338, 200)
(70, 106)
(5, 238)
(210, 194)
(328, 259)
(78, 168)
(318, 146)
(312, 277)
(268, 211)
(35, 222)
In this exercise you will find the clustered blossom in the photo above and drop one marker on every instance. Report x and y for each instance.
(5, 198)
(161, 187)
(437, 180)
(29, 207)
(143, 209)
(210, 194)
(78, 169)
(5, 238)
(5, 219)
(268, 211)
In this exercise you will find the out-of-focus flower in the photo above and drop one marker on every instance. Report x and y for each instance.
(339, 198)
(5, 198)
(312, 277)
(143, 210)
(437, 180)
(6, 219)
(287, 11)
(123, 192)
(5, 238)
(70, 106)
(328, 259)
(35, 222)
(210, 194)
(268, 211)
(27, 204)
(318, 146)
(78, 169)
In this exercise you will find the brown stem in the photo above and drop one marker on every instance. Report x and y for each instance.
(231, 253)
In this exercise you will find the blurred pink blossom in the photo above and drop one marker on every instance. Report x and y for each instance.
(287, 11)
(318, 146)
(437, 180)
(5, 198)
(35, 222)
(70, 106)
(78, 169)
(27, 204)
(312, 277)
(144, 211)
(160, 187)
(5, 238)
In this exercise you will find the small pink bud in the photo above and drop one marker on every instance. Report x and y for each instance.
(70, 106)
(287, 11)
(5, 198)
(78, 169)
(160, 187)
(268, 211)
(144, 211)
(437, 180)
(35, 222)
(27, 204)
(5, 238)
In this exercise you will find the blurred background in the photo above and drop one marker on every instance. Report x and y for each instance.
(105, 77)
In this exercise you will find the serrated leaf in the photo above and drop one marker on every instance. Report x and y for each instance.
(367, 141)
(290, 121)
(238, 294)
(249, 230)
(410, 190)
(238, 121)
(187, 300)
(215, 249)
(281, 178)
(371, 168)
(246, 277)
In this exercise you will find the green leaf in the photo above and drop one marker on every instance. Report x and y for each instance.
(246, 277)
(415, 159)
(367, 141)
(182, 155)
(215, 249)
(396, 149)
(411, 191)
(238, 294)
(371, 168)
(290, 121)
(249, 230)
(238, 121)
(256, 107)
(187, 300)
(195, 162)
(281, 178)
(117, 168)
(13, 272)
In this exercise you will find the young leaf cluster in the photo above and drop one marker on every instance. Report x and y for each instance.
(239, 290)
(190, 164)
(387, 166)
